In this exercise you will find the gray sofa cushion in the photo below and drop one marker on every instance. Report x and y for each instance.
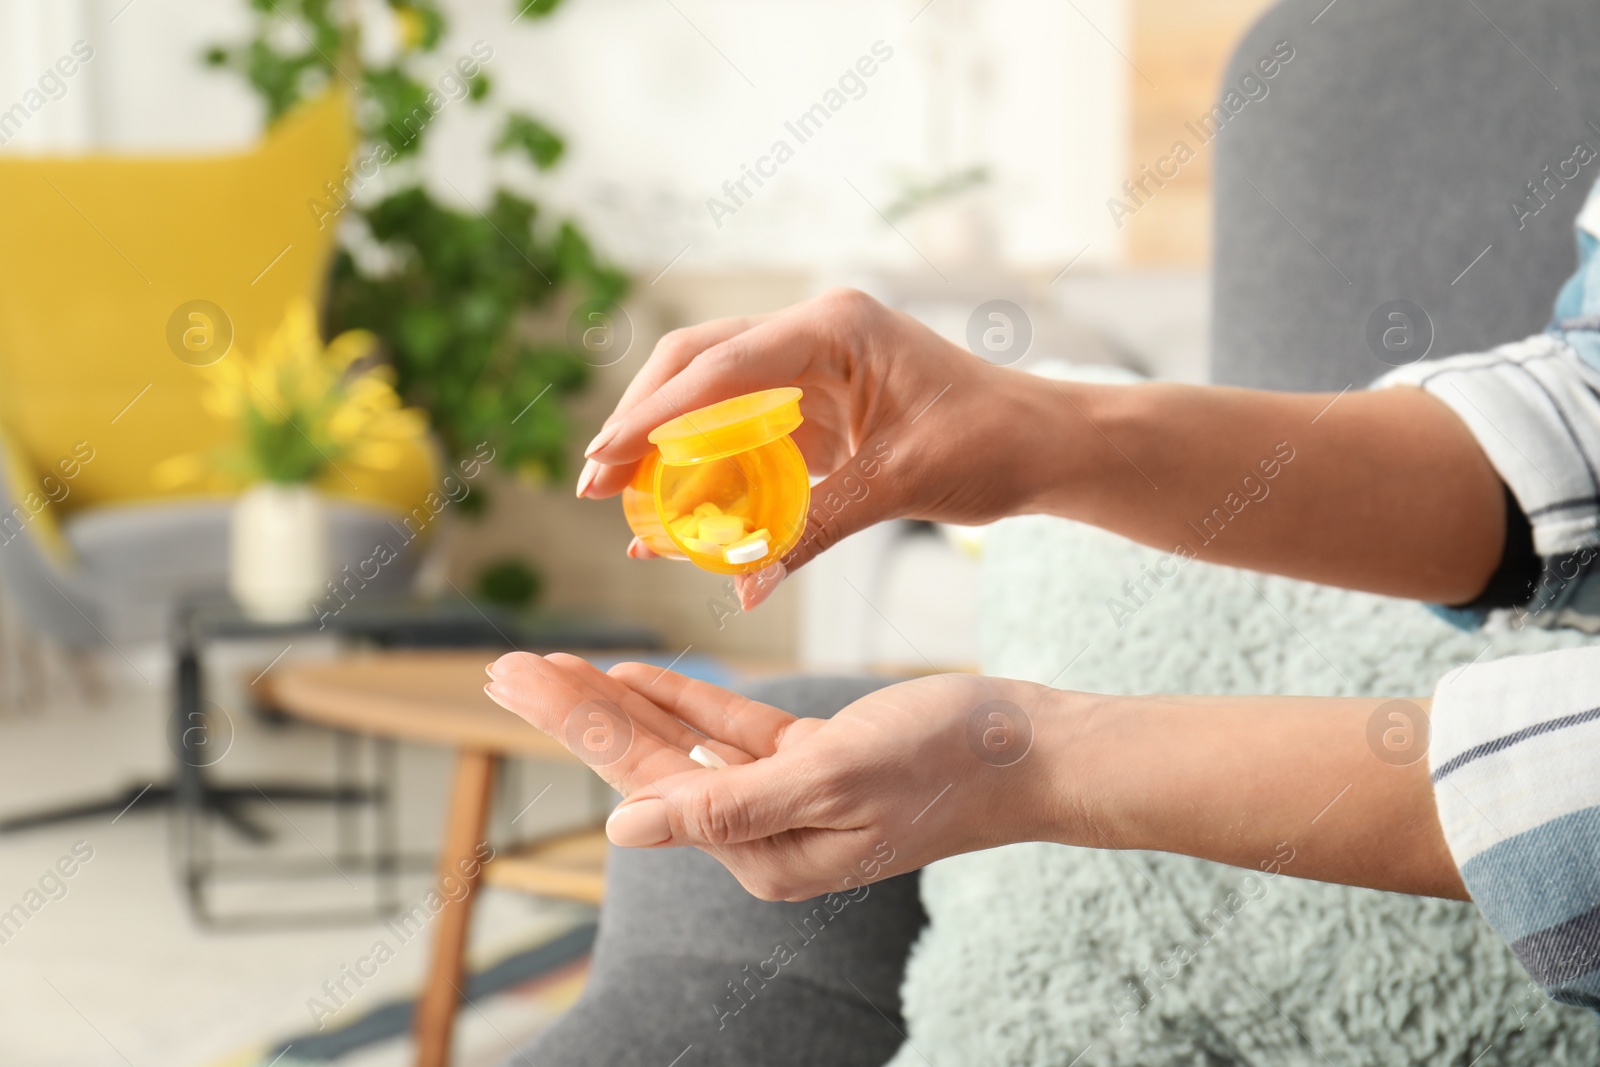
(1396, 142)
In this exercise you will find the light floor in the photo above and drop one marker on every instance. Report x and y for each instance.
(114, 971)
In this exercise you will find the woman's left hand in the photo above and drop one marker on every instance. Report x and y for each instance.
(907, 775)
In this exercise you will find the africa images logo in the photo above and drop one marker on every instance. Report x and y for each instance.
(1253, 87)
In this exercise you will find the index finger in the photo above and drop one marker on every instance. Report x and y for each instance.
(746, 724)
(620, 747)
(771, 354)
(592, 681)
(673, 352)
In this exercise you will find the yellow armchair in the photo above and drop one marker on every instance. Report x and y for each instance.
(103, 252)
(104, 260)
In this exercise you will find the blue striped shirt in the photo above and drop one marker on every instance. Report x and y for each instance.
(1515, 759)
(1534, 407)
(1515, 747)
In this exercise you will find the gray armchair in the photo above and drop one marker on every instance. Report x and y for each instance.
(119, 576)
(1385, 164)
(126, 567)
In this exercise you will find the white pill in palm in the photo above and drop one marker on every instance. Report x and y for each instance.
(707, 758)
(746, 553)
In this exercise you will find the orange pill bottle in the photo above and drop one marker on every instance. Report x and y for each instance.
(725, 488)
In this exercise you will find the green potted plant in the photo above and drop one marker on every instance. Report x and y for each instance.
(449, 290)
(299, 409)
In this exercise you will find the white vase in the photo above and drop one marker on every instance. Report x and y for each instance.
(278, 560)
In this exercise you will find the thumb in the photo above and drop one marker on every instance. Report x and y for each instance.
(727, 806)
(843, 503)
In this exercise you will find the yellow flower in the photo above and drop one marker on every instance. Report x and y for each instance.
(411, 27)
(299, 406)
(351, 346)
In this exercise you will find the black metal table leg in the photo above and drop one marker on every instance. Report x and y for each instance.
(186, 736)
(386, 829)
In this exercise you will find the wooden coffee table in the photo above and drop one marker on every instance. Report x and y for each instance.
(437, 698)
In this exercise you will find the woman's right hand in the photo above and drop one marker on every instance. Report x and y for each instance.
(899, 422)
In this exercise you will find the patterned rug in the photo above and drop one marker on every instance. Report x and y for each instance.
(507, 1002)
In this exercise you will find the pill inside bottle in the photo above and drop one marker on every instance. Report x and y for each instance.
(727, 489)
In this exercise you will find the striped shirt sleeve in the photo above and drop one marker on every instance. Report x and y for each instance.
(1534, 408)
(1515, 761)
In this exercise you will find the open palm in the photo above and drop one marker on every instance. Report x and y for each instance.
(806, 806)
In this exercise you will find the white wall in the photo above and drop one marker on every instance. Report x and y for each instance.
(59, 111)
(665, 101)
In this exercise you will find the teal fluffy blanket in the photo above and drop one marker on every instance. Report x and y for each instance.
(1042, 954)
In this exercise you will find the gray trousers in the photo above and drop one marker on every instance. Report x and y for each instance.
(691, 970)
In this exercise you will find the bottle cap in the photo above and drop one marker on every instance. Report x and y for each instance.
(729, 427)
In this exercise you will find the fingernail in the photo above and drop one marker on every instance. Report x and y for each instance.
(757, 587)
(586, 476)
(488, 668)
(633, 548)
(501, 664)
(640, 824)
(601, 439)
(488, 691)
